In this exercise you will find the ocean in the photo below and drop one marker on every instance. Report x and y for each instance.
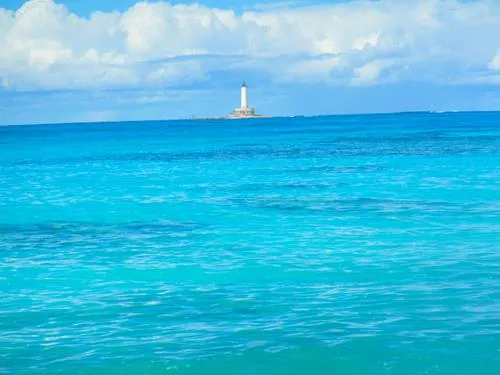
(323, 245)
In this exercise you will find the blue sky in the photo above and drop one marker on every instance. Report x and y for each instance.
(86, 7)
(60, 61)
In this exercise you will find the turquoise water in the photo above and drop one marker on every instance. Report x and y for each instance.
(327, 245)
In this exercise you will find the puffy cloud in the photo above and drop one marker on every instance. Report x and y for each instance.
(372, 70)
(44, 46)
(495, 62)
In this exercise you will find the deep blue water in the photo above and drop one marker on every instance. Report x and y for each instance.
(327, 245)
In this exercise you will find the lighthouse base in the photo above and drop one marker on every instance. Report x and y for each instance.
(243, 113)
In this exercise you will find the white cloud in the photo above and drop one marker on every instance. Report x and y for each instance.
(495, 62)
(370, 72)
(314, 69)
(180, 72)
(44, 46)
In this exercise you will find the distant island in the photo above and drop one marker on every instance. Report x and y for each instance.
(243, 112)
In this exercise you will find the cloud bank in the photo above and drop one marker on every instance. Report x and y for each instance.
(43, 46)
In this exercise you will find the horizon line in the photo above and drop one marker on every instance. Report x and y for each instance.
(216, 118)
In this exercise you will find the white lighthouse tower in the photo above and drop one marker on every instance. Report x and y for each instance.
(244, 96)
(244, 110)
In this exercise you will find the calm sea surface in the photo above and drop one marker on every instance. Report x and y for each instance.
(331, 245)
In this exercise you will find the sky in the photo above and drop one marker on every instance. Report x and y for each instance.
(120, 60)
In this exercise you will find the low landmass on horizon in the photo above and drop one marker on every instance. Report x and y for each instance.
(245, 111)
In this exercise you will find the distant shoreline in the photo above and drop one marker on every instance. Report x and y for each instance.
(229, 117)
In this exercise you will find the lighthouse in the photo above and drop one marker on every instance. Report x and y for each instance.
(245, 110)
(244, 96)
